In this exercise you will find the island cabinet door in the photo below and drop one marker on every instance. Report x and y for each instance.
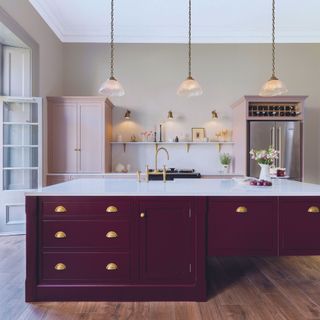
(167, 240)
(242, 226)
(299, 225)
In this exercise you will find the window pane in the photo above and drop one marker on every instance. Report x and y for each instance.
(20, 157)
(20, 179)
(20, 112)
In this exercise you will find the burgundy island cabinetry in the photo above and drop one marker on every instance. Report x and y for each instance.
(120, 240)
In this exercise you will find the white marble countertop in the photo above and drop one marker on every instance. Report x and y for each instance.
(178, 187)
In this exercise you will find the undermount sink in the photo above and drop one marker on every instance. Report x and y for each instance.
(173, 174)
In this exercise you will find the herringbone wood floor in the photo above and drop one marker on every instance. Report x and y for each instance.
(239, 288)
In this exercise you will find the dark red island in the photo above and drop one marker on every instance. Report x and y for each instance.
(86, 240)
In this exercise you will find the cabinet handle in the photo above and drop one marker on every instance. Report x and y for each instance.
(60, 235)
(111, 266)
(111, 234)
(142, 215)
(112, 209)
(241, 210)
(60, 266)
(313, 209)
(60, 209)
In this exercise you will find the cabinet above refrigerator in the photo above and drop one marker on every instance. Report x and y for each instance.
(260, 122)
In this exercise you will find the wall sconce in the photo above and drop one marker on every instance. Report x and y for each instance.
(214, 115)
(170, 115)
(127, 115)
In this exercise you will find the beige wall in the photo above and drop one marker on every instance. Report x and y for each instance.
(151, 73)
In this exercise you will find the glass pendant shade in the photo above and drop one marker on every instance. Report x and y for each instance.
(112, 88)
(273, 87)
(189, 88)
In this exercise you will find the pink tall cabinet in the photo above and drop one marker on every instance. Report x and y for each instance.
(243, 113)
(79, 136)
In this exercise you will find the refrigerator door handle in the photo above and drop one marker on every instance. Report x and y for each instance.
(280, 146)
(273, 137)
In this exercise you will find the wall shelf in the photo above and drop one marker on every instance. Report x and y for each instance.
(218, 144)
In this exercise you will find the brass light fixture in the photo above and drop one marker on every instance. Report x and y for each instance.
(170, 115)
(214, 115)
(112, 87)
(189, 87)
(274, 86)
(127, 115)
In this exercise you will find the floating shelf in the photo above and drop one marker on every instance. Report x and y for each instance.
(219, 144)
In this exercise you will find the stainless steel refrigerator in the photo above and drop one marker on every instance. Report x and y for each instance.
(284, 136)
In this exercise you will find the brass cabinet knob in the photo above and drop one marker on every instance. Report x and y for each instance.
(111, 266)
(313, 209)
(241, 210)
(112, 209)
(142, 215)
(60, 266)
(111, 234)
(60, 235)
(60, 209)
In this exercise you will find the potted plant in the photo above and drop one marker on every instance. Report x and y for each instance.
(225, 160)
(265, 159)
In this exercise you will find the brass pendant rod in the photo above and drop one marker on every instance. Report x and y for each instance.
(273, 41)
(189, 45)
(112, 41)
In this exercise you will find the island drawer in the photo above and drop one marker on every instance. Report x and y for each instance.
(299, 220)
(85, 266)
(66, 207)
(242, 226)
(86, 233)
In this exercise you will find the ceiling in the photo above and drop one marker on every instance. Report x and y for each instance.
(165, 21)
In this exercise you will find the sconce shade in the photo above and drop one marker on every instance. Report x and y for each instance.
(189, 88)
(214, 114)
(112, 88)
(273, 87)
(127, 115)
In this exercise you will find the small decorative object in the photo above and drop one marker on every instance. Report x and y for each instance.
(265, 159)
(176, 139)
(133, 138)
(198, 134)
(119, 138)
(225, 160)
(281, 172)
(223, 135)
(120, 168)
(146, 135)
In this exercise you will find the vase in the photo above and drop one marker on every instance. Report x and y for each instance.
(225, 168)
(264, 172)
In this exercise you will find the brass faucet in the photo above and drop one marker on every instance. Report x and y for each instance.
(156, 158)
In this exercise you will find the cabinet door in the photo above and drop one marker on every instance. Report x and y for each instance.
(91, 138)
(62, 138)
(167, 241)
(299, 225)
(242, 226)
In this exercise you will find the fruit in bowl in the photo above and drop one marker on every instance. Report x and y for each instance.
(260, 183)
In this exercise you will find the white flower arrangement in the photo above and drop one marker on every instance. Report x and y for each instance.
(264, 156)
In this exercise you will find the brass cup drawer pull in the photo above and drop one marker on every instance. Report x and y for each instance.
(60, 235)
(313, 209)
(241, 210)
(112, 209)
(111, 266)
(60, 209)
(60, 267)
(111, 234)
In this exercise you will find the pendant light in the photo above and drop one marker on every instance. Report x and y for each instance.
(274, 86)
(112, 87)
(189, 87)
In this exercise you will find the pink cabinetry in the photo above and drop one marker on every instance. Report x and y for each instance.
(79, 134)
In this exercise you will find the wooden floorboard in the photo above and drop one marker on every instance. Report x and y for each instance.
(286, 288)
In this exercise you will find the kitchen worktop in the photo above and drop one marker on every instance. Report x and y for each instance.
(185, 187)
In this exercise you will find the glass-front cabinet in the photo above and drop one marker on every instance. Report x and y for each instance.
(21, 158)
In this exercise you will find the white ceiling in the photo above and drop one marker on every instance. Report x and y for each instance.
(165, 21)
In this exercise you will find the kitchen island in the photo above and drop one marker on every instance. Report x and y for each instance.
(121, 240)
